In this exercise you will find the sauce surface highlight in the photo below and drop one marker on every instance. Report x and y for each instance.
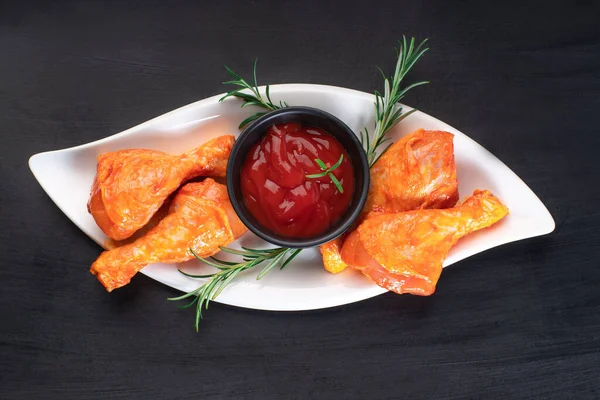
(278, 193)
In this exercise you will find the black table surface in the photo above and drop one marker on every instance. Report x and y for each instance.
(518, 321)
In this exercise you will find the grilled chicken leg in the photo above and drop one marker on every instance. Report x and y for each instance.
(404, 252)
(131, 185)
(200, 218)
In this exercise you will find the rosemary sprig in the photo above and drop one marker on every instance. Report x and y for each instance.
(250, 95)
(229, 270)
(386, 113)
(328, 171)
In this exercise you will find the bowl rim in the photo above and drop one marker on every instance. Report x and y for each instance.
(361, 166)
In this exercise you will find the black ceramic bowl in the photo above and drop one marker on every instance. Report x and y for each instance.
(306, 116)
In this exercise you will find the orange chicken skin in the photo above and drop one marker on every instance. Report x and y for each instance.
(404, 252)
(331, 254)
(418, 171)
(200, 218)
(131, 185)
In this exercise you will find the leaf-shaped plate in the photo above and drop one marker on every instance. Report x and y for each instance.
(66, 175)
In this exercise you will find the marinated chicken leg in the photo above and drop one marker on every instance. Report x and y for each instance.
(418, 171)
(131, 185)
(404, 252)
(200, 218)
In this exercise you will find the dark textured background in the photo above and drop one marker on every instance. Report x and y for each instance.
(519, 321)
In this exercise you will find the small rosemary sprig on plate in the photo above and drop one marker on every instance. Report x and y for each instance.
(229, 270)
(328, 171)
(250, 94)
(387, 115)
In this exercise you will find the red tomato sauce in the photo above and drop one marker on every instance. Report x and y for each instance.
(278, 193)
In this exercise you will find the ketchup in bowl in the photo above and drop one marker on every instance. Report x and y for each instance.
(275, 186)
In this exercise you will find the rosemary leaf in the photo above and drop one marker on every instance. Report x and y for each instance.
(387, 115)
(336, 182)
(219, 280)
(252, 95)
(327, 171)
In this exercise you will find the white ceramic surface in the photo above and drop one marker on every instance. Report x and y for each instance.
(66, 175)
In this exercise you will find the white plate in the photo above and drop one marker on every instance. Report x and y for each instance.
(66, 175)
